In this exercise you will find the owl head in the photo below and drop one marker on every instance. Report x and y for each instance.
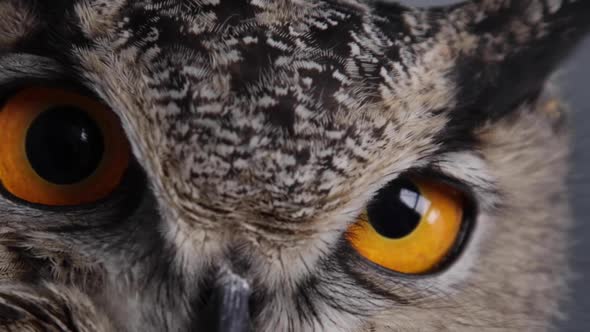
(283, 165)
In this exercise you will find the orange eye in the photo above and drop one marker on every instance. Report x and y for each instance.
(410, 227)
(60, 148)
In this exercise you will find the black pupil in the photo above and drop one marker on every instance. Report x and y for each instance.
(64, 145)
(397, 209)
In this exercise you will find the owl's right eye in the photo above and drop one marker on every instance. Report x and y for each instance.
(413, 226)
(60, 148)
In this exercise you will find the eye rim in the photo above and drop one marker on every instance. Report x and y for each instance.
(12, 88)
(457, 251)
(132, 178)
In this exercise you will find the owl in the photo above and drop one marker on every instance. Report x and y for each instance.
(283, 165)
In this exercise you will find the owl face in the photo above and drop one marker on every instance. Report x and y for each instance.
(282, 165)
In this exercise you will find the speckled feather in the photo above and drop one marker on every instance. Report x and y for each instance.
(263, 127)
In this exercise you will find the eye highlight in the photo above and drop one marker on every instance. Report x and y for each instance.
(60, 148)
(411, 226)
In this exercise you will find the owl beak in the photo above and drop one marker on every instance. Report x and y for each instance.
(228, 309)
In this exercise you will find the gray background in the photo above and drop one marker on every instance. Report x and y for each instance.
(574, 77)
(575, 89)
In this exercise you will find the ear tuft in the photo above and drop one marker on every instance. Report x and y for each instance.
(514, 46)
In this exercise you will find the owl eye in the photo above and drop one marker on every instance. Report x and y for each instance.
(60, 148)
(412, 226)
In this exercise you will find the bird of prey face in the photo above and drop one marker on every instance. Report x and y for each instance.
(283, 165)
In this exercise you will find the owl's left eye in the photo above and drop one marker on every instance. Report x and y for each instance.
(412, 226)
(59, 147)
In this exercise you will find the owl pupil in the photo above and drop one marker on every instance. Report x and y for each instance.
(64, 145)
(397, 209)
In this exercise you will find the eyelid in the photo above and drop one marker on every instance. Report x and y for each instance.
(468, 188)
(15, 66)
(18, 70)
